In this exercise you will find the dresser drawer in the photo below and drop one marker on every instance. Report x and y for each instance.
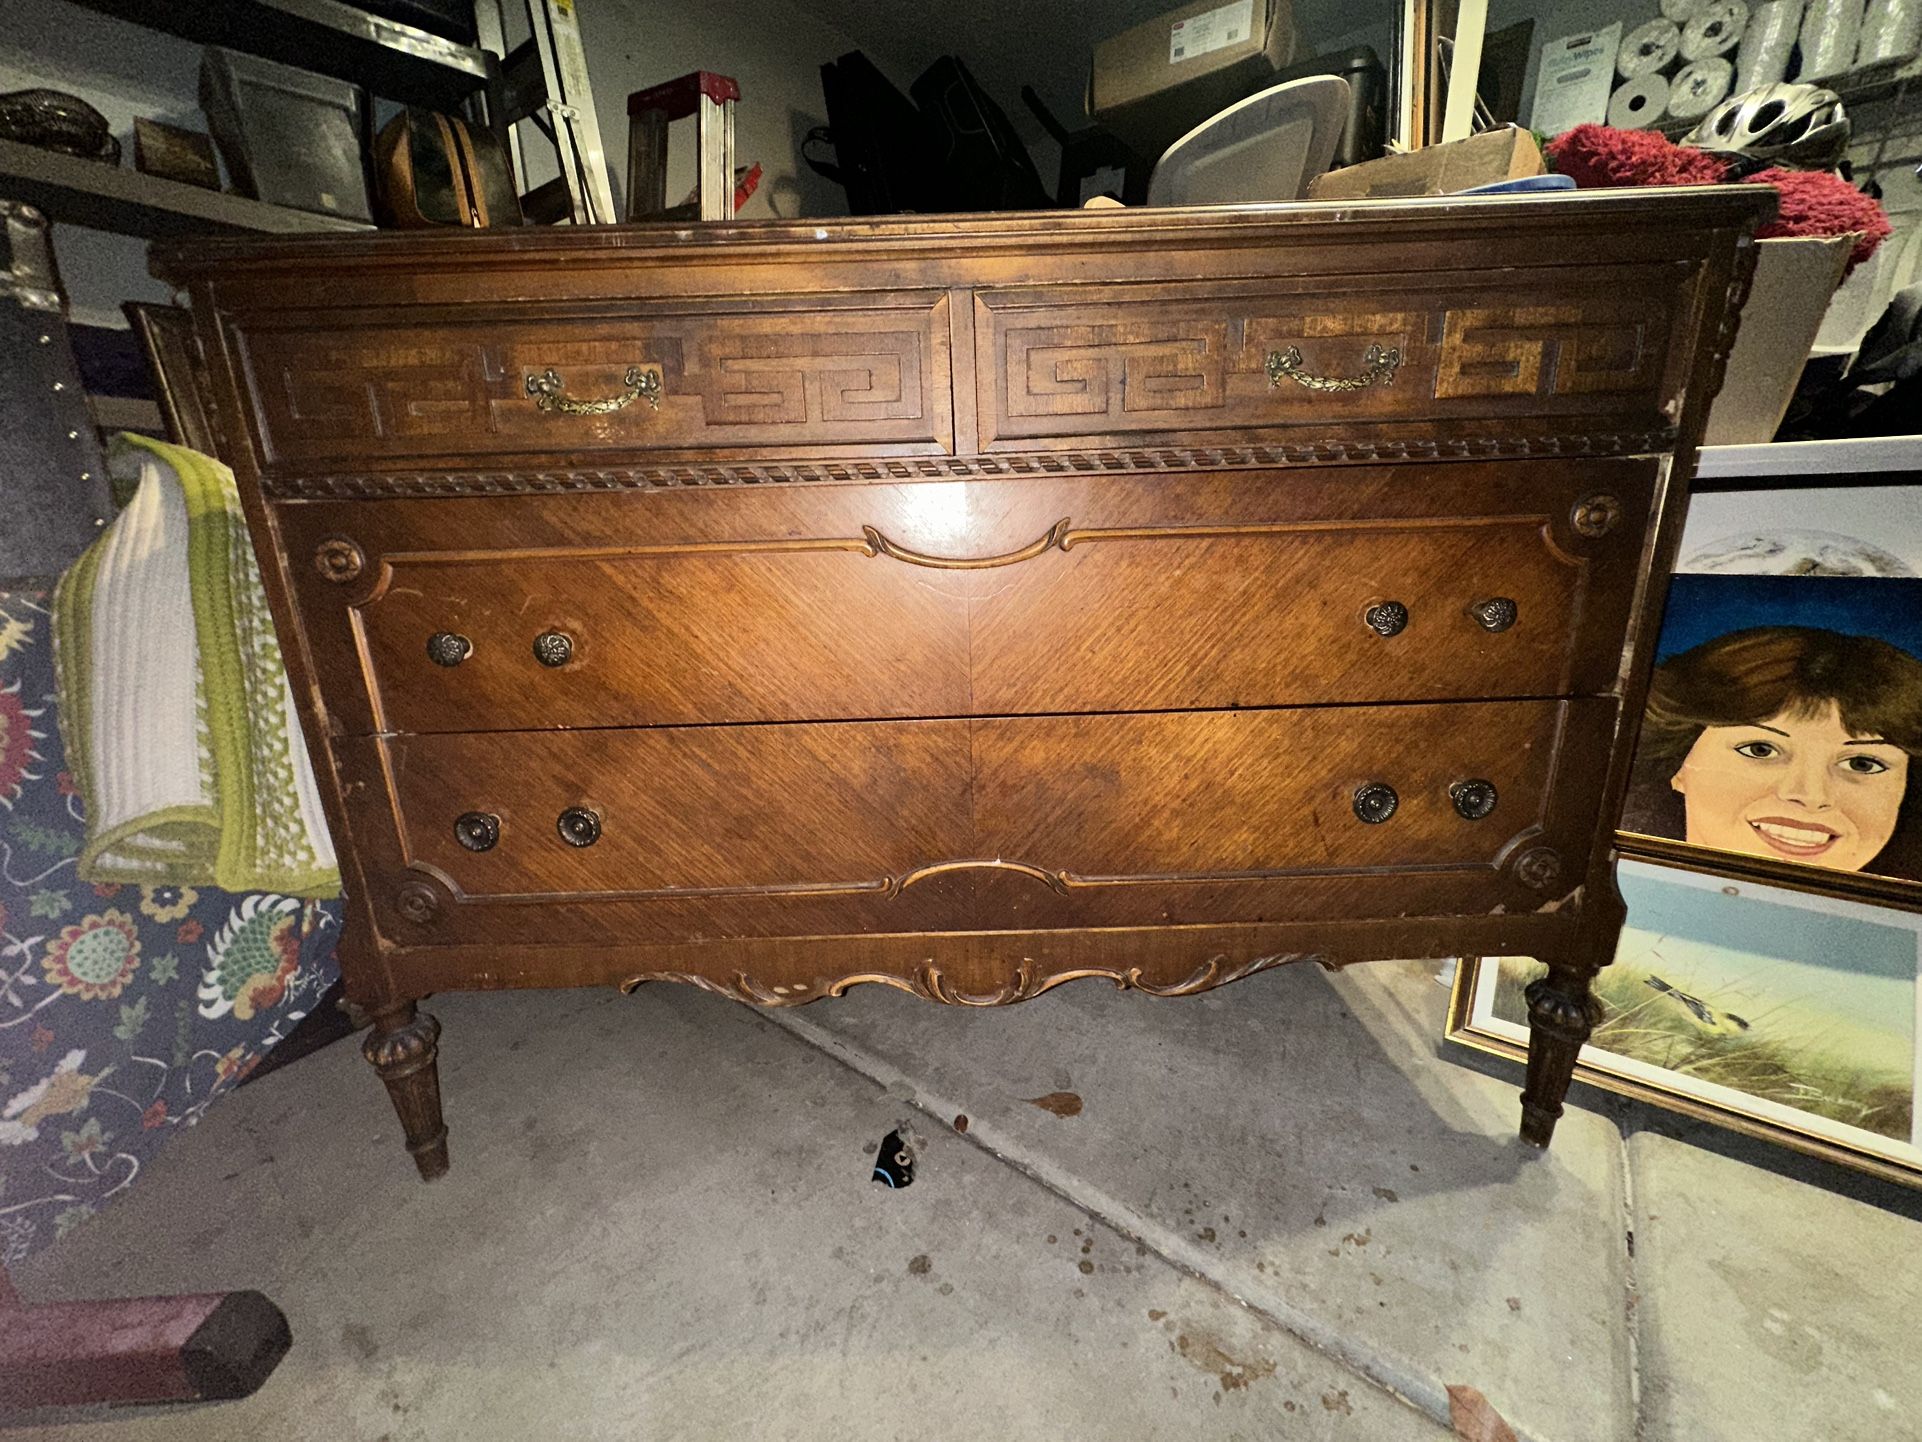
(466, 390)
(703, 831)
(950, 825)
(1065, 594)
(1344, 360)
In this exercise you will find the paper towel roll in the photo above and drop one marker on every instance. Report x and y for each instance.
(1648, 48)
(1638, 103)
(1698, 87)
(1891, 30)
(1767, 43)
(1680, 10)
(1714, 30)
(1831, 30)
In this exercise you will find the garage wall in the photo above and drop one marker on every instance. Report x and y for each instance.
(774, 51)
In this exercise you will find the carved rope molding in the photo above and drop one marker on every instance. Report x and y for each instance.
(930, 983)
(375, 485)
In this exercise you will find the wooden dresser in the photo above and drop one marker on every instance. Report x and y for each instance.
(970, 604)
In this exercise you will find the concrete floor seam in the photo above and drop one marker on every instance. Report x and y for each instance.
(1632, 1300)
(1403, 1382)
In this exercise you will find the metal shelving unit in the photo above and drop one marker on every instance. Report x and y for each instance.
(397, 61)
(128, 202)
(393, 60)
(1863, 86)
(1812, 458)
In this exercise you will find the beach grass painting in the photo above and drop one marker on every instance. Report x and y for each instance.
(1795, 1011)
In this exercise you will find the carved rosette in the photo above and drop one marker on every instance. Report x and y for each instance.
(1595, 516)
(1539, 868)
(339, 560)
(418, 902)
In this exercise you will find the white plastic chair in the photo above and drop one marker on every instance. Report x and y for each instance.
(1267, 147)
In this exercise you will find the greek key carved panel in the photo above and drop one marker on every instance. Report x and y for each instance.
(870, 375)
(1542, 351)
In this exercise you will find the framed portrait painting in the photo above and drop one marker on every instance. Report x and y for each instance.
(1784, 715)
(1788, 1014)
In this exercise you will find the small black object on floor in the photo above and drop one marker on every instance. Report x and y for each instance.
(894, 1164)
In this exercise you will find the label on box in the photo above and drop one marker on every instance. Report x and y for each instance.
(1574, 80)
(1211, 30)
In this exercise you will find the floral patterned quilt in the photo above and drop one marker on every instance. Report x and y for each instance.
(125, 1011)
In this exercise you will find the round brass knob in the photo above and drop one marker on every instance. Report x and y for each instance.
(477, 830)
(1473, 799)
(1375, 802)
(553, 648)
(1497, 613)
(579, 826)
(448, 648)
(1386, 618)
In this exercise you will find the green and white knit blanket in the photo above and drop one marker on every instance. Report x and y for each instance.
(179, 722)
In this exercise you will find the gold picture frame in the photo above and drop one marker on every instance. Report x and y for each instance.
(1799, 1049)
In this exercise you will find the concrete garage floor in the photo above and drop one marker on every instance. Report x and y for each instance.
(1277, 1214)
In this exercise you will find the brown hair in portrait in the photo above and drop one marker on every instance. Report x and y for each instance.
(1745, 677)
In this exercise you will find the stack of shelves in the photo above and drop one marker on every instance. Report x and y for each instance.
(392, 60)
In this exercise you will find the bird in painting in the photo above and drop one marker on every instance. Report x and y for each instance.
(1719, 1023)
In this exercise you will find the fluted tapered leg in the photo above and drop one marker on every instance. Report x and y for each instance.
(1561, 1014)
(404, 1048)
(1563, 1011)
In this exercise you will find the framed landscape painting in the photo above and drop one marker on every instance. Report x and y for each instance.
(1784, 717)
(1784, 1013)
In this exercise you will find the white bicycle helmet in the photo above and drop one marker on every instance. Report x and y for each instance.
(1800, 126)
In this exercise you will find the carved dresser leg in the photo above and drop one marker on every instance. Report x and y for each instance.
(1562, 1011)
(1561, 1014)
(404, 1048)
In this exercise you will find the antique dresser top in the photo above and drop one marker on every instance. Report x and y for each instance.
(1611, 224)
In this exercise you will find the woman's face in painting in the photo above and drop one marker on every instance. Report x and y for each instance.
(1795, 787)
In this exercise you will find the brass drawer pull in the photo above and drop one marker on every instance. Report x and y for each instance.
(1473, 799)
(1378, 369)
(877, 544)
(477, 830)
(1375, 802)
(549, 393)
(553, 648)
(448, 648)
(1497, 613)
(579, 826)
(1386, 618)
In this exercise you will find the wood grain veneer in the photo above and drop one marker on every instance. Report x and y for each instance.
(971, 604)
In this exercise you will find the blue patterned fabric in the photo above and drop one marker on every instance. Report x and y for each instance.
(125, 1011)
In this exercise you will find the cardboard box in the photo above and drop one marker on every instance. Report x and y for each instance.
(1794, 281)
(1506, 154)
(1154, 83)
